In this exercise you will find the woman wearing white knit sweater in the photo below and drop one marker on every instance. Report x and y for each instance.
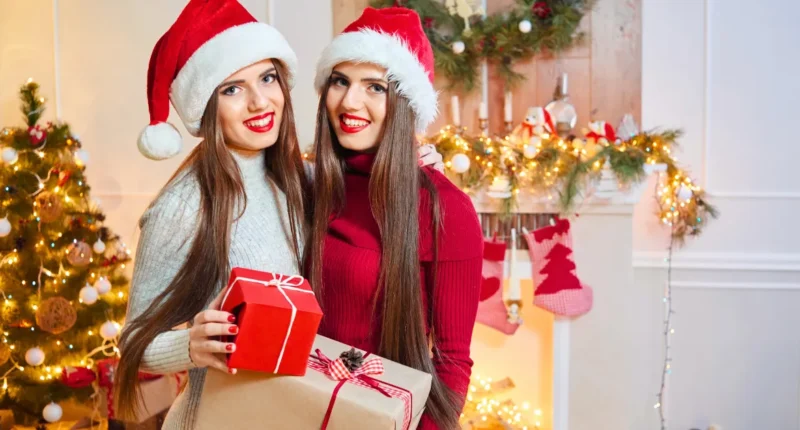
(239, 199)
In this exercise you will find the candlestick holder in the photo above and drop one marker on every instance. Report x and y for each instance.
(483, 124)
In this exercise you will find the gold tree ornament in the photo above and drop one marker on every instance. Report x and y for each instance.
(11, 313)
(79, 254)
(48, 207)
(5, 353)
(56, 315)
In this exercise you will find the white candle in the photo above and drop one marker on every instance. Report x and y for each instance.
(564, 83)
(456, 111)
(514, 292)
(483, 112)
(507, 107)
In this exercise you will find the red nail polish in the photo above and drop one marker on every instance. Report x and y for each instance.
(233, 329)
(231, 318)
(229, 347)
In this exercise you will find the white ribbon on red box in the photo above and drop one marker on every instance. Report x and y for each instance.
(282, 283)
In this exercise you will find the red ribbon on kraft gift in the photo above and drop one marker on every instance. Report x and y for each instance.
(364, 377)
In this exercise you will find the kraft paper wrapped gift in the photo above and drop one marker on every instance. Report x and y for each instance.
(259, 400)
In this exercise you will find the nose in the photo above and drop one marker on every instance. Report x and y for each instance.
(353, 99)
(258, 100)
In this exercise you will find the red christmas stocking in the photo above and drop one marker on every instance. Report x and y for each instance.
(558, 289)
(492, 310)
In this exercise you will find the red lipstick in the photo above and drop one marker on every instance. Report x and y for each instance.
(270, 116)
(350, 129)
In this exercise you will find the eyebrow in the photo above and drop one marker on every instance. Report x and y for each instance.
(378, 80)
(241, 81)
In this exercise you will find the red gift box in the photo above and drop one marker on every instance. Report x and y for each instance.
(278, 317)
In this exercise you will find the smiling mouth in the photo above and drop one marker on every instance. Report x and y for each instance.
(352, 124)
(261, 123)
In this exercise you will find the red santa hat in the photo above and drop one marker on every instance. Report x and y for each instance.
(392, 38)
(210, 40)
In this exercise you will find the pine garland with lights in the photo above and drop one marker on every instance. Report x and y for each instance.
(529, 28)
(564, 171)
(61, 269)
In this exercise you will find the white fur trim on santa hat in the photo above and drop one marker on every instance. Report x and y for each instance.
(391, 52)
(220, 57)
(160, 141)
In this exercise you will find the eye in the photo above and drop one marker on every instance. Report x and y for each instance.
(378, 89)
(270, 78)
(229, 91)
(339, 81)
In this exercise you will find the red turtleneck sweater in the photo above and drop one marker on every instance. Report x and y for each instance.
(351, 265)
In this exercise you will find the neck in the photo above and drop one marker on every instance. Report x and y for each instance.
(251, 163)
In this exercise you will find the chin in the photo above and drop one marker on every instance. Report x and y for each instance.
(357, 144)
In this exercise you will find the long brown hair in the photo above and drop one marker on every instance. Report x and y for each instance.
(394, 189)
(206, 267)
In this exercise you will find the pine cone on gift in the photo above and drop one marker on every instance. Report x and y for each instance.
(352, 359)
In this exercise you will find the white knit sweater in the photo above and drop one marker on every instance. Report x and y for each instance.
(260, 240)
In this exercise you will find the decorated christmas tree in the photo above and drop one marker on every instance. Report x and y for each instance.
(61, 270)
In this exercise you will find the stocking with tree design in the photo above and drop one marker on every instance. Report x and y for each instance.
(557, 287)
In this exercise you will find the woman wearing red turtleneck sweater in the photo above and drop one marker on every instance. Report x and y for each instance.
(395, 250)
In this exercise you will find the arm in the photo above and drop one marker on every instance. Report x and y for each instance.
(453, 312)
(167, 230)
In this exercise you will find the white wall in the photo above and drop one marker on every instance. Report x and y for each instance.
(103, 49)
(726, 73)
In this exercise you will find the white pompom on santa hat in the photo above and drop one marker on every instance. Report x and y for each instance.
(210, 40)
(394, 39)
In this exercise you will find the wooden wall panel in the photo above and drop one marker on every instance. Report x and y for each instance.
(605, 78)
(617, 60)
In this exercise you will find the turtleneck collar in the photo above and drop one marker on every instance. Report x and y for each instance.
(251, 164)
(360, 161)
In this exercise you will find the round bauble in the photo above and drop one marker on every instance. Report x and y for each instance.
(109, 330)
(48, 207)
(52, 412)
(56, 315)
(5, 227)
(10, 155)
(530, 151)
(34, 356)
(99, 247)
(78, 254)
(460, 163)
(11, 314)
(458, 47)
(102, 286)
(525, 26)
(88, 295)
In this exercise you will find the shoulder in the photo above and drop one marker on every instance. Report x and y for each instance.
(460, 235)
(178, 202)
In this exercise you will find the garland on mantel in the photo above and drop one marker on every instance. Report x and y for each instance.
(544, 166)
(462, 38)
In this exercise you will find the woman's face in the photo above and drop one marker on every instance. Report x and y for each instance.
(250, 107)
(356, 104)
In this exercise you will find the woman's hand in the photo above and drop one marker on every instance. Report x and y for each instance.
(428, 156)
(207, 325)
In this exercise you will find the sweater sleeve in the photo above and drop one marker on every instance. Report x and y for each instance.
(454, 308)
(167, 230)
